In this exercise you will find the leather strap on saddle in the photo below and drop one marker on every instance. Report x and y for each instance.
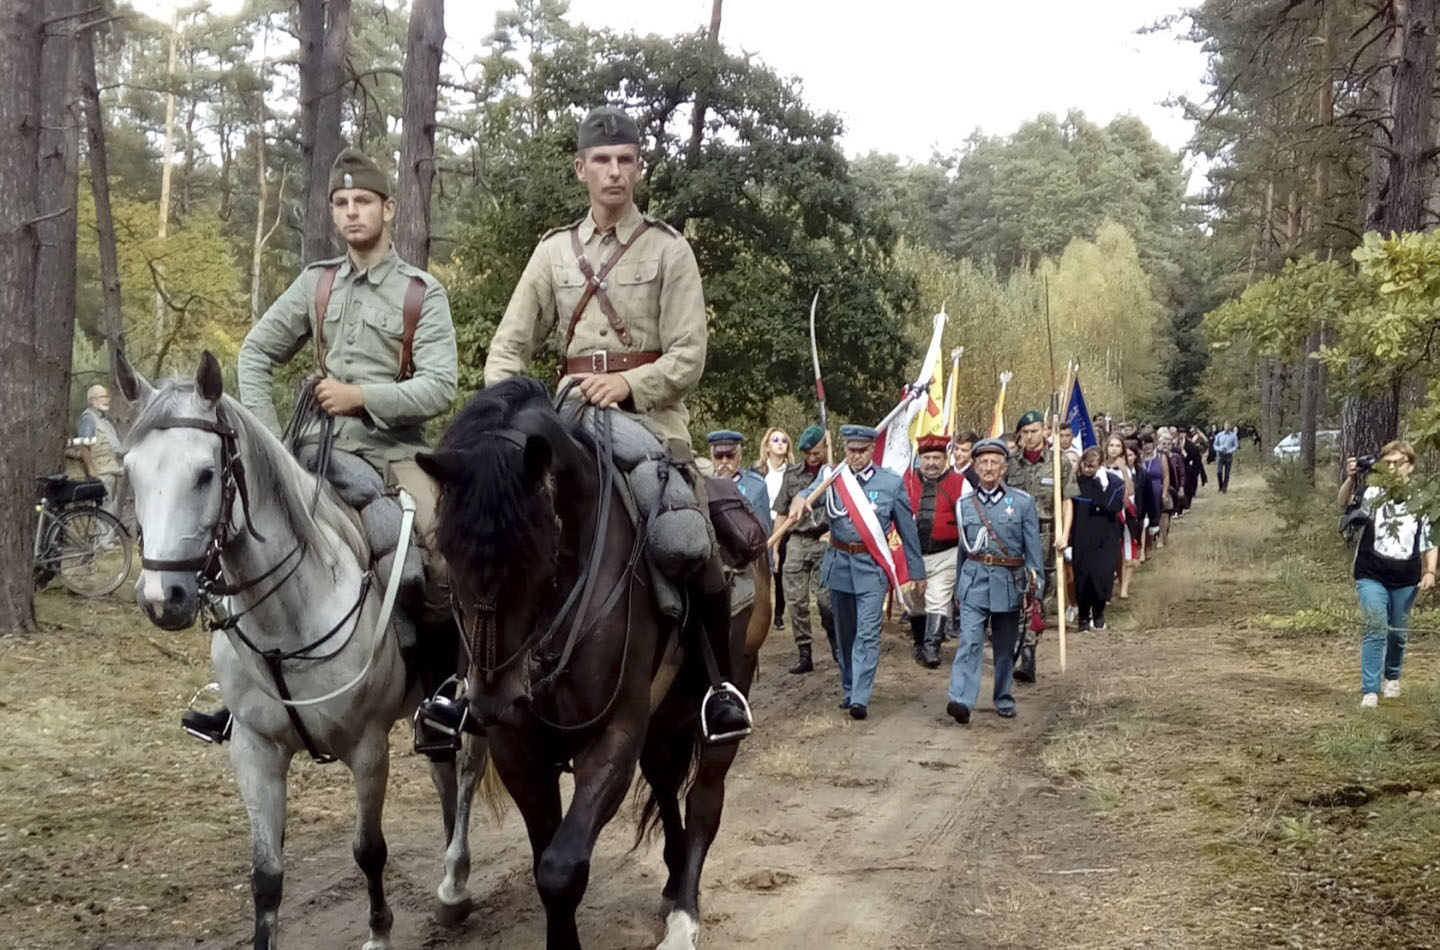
(414, 298)
(595, 286)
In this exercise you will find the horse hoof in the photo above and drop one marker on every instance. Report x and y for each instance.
(681, 929)
(453, 915)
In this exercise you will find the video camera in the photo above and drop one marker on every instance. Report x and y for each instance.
(1365, 463)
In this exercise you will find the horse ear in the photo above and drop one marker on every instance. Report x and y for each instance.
(444, 466)
(538, 454)
(209, 382)
(135, 388)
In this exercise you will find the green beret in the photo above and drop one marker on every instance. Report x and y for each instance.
(810, 438)
(352, 169)
(1030, 418)
(607, 125)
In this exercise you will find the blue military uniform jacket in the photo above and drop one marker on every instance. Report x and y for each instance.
(1011, 513)
(858, 573)
(754, 490)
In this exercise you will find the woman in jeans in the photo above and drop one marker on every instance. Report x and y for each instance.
(1395, 558)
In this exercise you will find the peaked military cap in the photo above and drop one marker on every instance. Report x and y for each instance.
(724, 437)
(1030, 418)
(607, 125)
(858, 433)
(991, 447)
(354, 169)
(810, 438)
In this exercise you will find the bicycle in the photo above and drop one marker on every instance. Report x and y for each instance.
(78, 541)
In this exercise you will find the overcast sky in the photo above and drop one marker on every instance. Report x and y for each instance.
(917, 75)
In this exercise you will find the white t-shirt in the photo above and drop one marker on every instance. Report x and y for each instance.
(1395, 528)
(773, 478)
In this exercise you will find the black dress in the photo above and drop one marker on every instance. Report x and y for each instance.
(1095, 541)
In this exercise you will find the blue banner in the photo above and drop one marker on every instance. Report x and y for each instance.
(1079, 418)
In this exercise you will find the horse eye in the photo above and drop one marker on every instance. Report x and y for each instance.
(205, 477)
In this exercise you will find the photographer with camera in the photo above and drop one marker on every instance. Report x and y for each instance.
(1388, 567)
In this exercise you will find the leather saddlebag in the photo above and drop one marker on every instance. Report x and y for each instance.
(739, 533)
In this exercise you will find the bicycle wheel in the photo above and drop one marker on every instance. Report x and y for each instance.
(90, 550)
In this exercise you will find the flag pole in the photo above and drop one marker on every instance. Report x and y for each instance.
(1060, 510)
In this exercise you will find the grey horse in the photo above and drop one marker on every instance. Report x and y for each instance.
(231, 521)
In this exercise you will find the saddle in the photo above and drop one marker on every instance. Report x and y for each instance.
(661, 501)
(359, 486)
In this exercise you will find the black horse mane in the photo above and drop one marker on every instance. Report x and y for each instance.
(497, 518)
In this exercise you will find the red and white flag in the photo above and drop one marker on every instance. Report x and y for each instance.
(862, 516)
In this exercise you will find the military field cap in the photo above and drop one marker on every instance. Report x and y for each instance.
(991, 447)
(353, 169)
(1030, 418)
(858, 433)
(811, 437)
(607, 125)
(724, 437)
(932, 443)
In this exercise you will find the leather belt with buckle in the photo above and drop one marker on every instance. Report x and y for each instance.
(603, 362)
(996, 560)
(850, 547)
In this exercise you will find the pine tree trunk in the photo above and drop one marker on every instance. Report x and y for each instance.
(20, 429)
(421, 82)
(58, 187)
(1309, 403)
(1395, 201)
(324, 34)
(98, 160)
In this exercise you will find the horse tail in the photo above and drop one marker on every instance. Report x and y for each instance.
(492, 790)
(687, 767)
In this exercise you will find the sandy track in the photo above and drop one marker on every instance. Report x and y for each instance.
(836, 834)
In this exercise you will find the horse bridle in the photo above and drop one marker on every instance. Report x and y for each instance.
(206, 567)
(479, 634)
(232, 484)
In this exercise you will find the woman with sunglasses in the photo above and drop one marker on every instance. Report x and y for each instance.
(1395, 559)
(775, 457)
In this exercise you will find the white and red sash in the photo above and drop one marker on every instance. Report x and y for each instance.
(872, 535)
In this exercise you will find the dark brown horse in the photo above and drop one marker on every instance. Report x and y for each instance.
(567, 645)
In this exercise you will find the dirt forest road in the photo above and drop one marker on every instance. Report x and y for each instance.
(903, 831)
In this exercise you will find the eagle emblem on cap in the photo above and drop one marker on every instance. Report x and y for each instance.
(349, 180)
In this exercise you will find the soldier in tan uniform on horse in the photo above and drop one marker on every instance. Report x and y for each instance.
(624, 289)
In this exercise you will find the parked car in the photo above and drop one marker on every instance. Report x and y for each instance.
(1327, 442)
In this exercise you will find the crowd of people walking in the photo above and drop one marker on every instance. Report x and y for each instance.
(977, 545)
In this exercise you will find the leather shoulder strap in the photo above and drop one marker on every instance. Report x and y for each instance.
(979, 510)
(593, 288)
(414, 297)
(323, 286)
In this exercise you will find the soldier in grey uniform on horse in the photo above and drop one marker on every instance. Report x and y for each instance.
(385, 354)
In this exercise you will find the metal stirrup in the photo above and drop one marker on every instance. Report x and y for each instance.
(714, 692)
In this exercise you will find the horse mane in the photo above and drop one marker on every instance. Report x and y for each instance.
(270, 469)
(497, 522)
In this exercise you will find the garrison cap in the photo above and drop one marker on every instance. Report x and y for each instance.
(811, 437)
(353, 169)
(858, 433)
(724, 437)
(932, 443)
(991, 446)
(1030, 418)
(607, 125)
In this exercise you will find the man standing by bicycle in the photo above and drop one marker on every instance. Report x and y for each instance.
(99, 445)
